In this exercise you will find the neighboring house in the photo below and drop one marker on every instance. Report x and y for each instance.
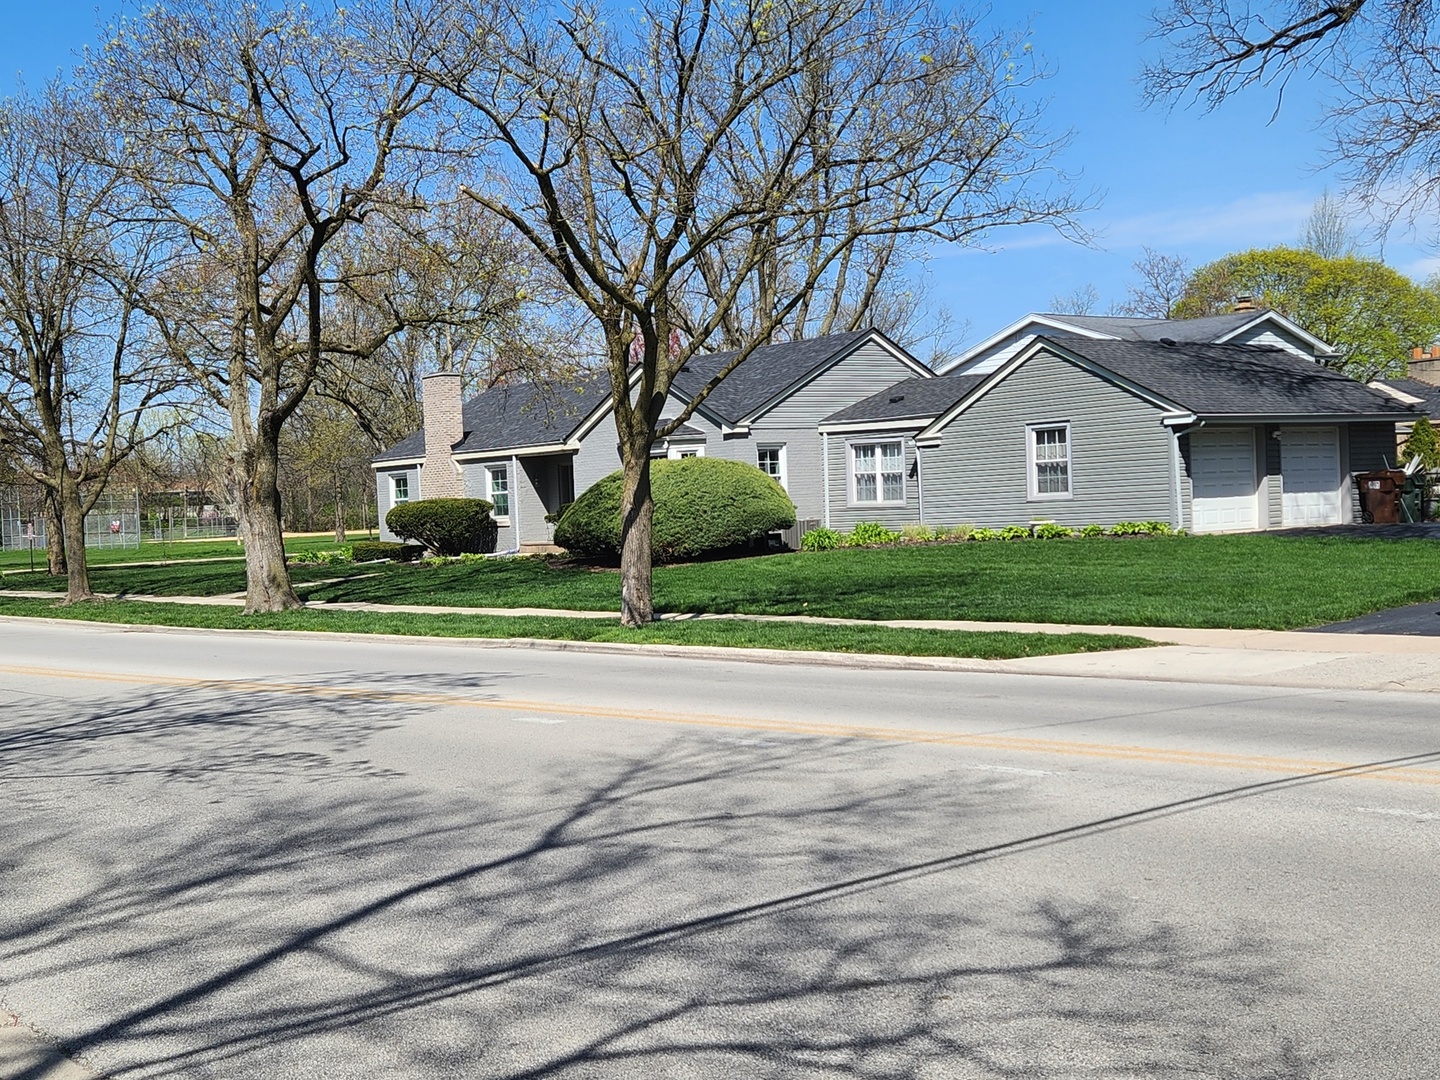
(530, 448)
(1082, 430)
(1244, 327)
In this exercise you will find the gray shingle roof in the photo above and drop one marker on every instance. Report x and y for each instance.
(1236, 380)
(765, 372)
(1208, 328)
(526, 414)
(1428, 393)
(914, 399)
(537, 415)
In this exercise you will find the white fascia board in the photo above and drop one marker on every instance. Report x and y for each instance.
(872, 336)
(1309, 418)
(1321, 348)
(1017, 327)
(876, 425)
(1179, 420)
(471, 456)
(398, 463)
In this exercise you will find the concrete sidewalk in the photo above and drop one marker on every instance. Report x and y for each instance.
(1242, 657)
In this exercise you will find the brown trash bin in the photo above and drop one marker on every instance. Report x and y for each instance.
(1380, 495)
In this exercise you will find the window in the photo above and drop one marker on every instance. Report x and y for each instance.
(497, 489)
(877, 472)
(400, 488)
(771, 460)
(687, 453)
(1050, 462)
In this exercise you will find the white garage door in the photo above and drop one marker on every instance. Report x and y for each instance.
(1222, 475)
(1310, 475)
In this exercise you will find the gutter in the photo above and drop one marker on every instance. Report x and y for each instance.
(1179, 424)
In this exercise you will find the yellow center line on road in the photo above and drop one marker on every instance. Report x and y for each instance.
(1154, 755)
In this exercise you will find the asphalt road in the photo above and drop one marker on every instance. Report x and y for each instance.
(1417, 619)
(270, 857)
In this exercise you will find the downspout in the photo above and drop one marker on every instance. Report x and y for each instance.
(1179, 425)
(919, 483)
(515, 499)
(825, 472)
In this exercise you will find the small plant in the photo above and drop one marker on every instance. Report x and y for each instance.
(1015, 532)
(1158, 528)
(1091, 531)
(985, 534)
(1050, 531)
(917, 534)
(955, 532)
(870, 534)
(821, 540)
(1128, 528)
(337, 557)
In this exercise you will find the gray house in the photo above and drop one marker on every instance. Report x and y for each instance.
(530, 448)
(1081, 430)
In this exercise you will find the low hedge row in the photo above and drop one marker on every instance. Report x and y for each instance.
(871, 534)
(373, 550)
(446, 526)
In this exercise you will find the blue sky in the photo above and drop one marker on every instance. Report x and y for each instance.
(1183, 182)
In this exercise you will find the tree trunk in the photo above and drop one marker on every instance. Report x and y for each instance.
(637, 515)
(339, 518)
(77, 568)
(267, 580)
(54, 535)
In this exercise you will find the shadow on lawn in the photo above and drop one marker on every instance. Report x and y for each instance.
(244, 890)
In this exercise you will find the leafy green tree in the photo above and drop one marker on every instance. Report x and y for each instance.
(1372, 315)
(1422, 444)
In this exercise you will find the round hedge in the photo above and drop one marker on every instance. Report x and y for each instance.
(445, 526)
(701, 505)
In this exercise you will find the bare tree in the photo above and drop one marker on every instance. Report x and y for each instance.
(266, 136)
(77, 371)
(1378, 56)
(1082, 300)
(1162, 283)
(1328, 232)
(687, 160)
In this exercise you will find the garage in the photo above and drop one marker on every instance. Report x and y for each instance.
(1310, 475)
(1223, 480)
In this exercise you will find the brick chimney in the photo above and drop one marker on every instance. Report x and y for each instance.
(444, 427)
(1245, 302)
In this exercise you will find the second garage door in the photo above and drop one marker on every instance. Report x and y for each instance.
(1310, 471)
(1223, 481)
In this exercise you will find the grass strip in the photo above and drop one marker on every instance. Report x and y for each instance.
(986, 645)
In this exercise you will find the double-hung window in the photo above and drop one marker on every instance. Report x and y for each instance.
(771, 460)
(1049, 461)
(877, 473)
(399, 488)
(497, 489)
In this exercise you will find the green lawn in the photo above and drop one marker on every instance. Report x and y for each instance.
(156, 551)
(732, 633)
(1257, 580)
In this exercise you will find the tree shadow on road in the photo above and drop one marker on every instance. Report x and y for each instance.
(777, 909)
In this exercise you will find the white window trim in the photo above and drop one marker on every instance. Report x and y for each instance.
(500, 519)
(784, 478)
(1032, 472)
(396, 479)
(850, 499)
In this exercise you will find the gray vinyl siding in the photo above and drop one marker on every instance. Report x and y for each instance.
(1272, 480)
(506, 538)
(1273, 337)
(383, 494)
(1372, 446)
(994, 357)
(794, 422)
(844, 516)
(1120, 453)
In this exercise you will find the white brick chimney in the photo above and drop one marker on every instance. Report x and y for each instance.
(444, 427)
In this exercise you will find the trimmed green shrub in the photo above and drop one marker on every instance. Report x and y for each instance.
(821, 540)
(701, 505)
(1422, 444)
(1092, 531)
(372, 550)
(870, 534)
(445, 526)
(1050, 531)
(1014, 532)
